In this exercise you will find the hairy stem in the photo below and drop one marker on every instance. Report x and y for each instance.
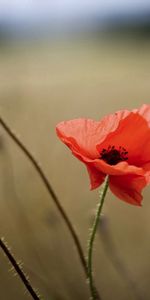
(91, 242)
(51, 193)
(18, 269)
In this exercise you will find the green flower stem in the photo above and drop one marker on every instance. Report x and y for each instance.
(51, 192)
(91, 241)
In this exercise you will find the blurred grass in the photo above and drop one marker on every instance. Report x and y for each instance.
(41, 85)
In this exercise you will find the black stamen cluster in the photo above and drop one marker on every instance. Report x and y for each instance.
(113, 156)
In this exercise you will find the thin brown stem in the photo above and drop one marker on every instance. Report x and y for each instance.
(51, 192)
(18, 269)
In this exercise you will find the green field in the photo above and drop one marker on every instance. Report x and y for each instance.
(41, 85)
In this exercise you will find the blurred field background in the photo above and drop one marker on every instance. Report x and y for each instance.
(43, 82)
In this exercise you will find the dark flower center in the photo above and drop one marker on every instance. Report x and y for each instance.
(113, 156)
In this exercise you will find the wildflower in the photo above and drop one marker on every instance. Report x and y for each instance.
(117, 146)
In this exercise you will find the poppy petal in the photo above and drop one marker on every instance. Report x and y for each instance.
(121, 168)
(146, 168)
(96, 177)
(128, 188)
(144, 111)
(83, 135)
(133, 133)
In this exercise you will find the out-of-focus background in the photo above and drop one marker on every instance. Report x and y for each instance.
(58, 61)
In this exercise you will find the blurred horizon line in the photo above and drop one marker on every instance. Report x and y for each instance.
(49, 27)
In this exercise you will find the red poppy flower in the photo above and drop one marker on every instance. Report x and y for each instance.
(117, 146)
